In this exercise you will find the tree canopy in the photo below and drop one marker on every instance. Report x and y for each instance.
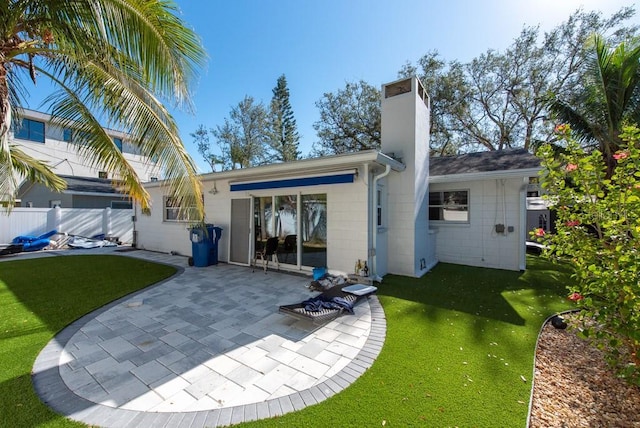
(243, 137)
(252, 134)
(609, 97)
(498, 99)
(349, 120)
(114, 62)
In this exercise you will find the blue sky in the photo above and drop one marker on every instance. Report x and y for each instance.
(321, 44)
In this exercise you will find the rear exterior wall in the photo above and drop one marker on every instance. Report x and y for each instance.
(477, 243)
(347, 221)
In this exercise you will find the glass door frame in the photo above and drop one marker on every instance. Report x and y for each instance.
(299, 242)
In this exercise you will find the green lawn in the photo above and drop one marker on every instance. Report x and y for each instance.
(39, 297)
(459, 342)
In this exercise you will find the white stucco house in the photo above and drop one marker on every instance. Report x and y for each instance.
(389, 208)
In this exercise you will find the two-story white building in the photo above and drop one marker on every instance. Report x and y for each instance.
(88, 187)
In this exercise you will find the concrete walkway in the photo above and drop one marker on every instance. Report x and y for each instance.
(205, 348)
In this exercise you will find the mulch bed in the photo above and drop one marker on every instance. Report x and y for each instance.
(574, 386)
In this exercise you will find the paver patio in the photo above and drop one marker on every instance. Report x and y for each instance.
(206, 347)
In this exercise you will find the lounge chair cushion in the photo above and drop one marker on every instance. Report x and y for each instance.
(324, 307)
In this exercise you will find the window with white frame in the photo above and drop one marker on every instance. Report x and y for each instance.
(29, 129)
(449, 206)
(174, 210)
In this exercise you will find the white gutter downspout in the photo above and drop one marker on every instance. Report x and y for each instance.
(522, 239)
(374, 219)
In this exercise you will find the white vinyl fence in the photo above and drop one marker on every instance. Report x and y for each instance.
(73, 221)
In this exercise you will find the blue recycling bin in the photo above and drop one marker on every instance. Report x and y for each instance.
(215, 233)
(204, 244)
(200, 244)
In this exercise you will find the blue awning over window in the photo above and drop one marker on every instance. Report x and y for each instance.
(294, 182)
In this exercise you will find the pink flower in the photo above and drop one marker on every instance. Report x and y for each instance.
(573, 223)
(562, 128)
(571, 167)
(575, 297)
(620, 155)
(539, 232)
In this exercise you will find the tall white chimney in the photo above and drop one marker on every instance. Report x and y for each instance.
(405, 134)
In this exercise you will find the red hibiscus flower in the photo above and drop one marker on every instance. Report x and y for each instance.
(575, 297)
(620, 155)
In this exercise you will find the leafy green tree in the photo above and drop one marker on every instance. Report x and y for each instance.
(597, 232)
(282, 129)
(498, 99)
(608, 100)
(243, 136)
(447, 86)
(201, 138)
(115, 61)
(349, 120)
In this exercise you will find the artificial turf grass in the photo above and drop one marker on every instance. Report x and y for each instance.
(39, 297)
(458, 341)
(418, 380)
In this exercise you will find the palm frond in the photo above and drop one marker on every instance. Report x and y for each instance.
(580, 125)
(157, 40)
(115, 62)
(610, 97)
(18, 165)
(132, 108)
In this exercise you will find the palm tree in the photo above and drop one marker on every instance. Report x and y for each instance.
(111, 61)
(610, 99)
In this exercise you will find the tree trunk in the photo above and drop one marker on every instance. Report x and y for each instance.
(5, 108)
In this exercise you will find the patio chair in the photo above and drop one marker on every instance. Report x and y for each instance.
(289, 246)
(320, 315)
(270, 250)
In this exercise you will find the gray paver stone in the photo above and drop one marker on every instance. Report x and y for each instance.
(225, 416)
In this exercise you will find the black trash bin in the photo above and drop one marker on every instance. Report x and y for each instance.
(201, 244)
(215, 235)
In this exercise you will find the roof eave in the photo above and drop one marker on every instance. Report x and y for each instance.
(105, 194)
(306, 166)
(485, 175)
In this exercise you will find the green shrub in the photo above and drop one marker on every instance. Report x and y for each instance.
(597, 231)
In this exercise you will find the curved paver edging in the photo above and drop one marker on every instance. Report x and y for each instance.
(53, 391)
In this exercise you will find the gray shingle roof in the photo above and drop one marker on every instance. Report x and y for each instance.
(497, 160)
(90, 184)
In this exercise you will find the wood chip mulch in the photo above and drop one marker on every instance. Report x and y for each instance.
(574, 387)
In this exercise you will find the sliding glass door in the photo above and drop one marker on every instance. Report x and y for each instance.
(304, 234)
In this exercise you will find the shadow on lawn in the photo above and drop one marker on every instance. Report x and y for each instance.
(39, 297)
(54, 292)
(19, 408)
(479, 291)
